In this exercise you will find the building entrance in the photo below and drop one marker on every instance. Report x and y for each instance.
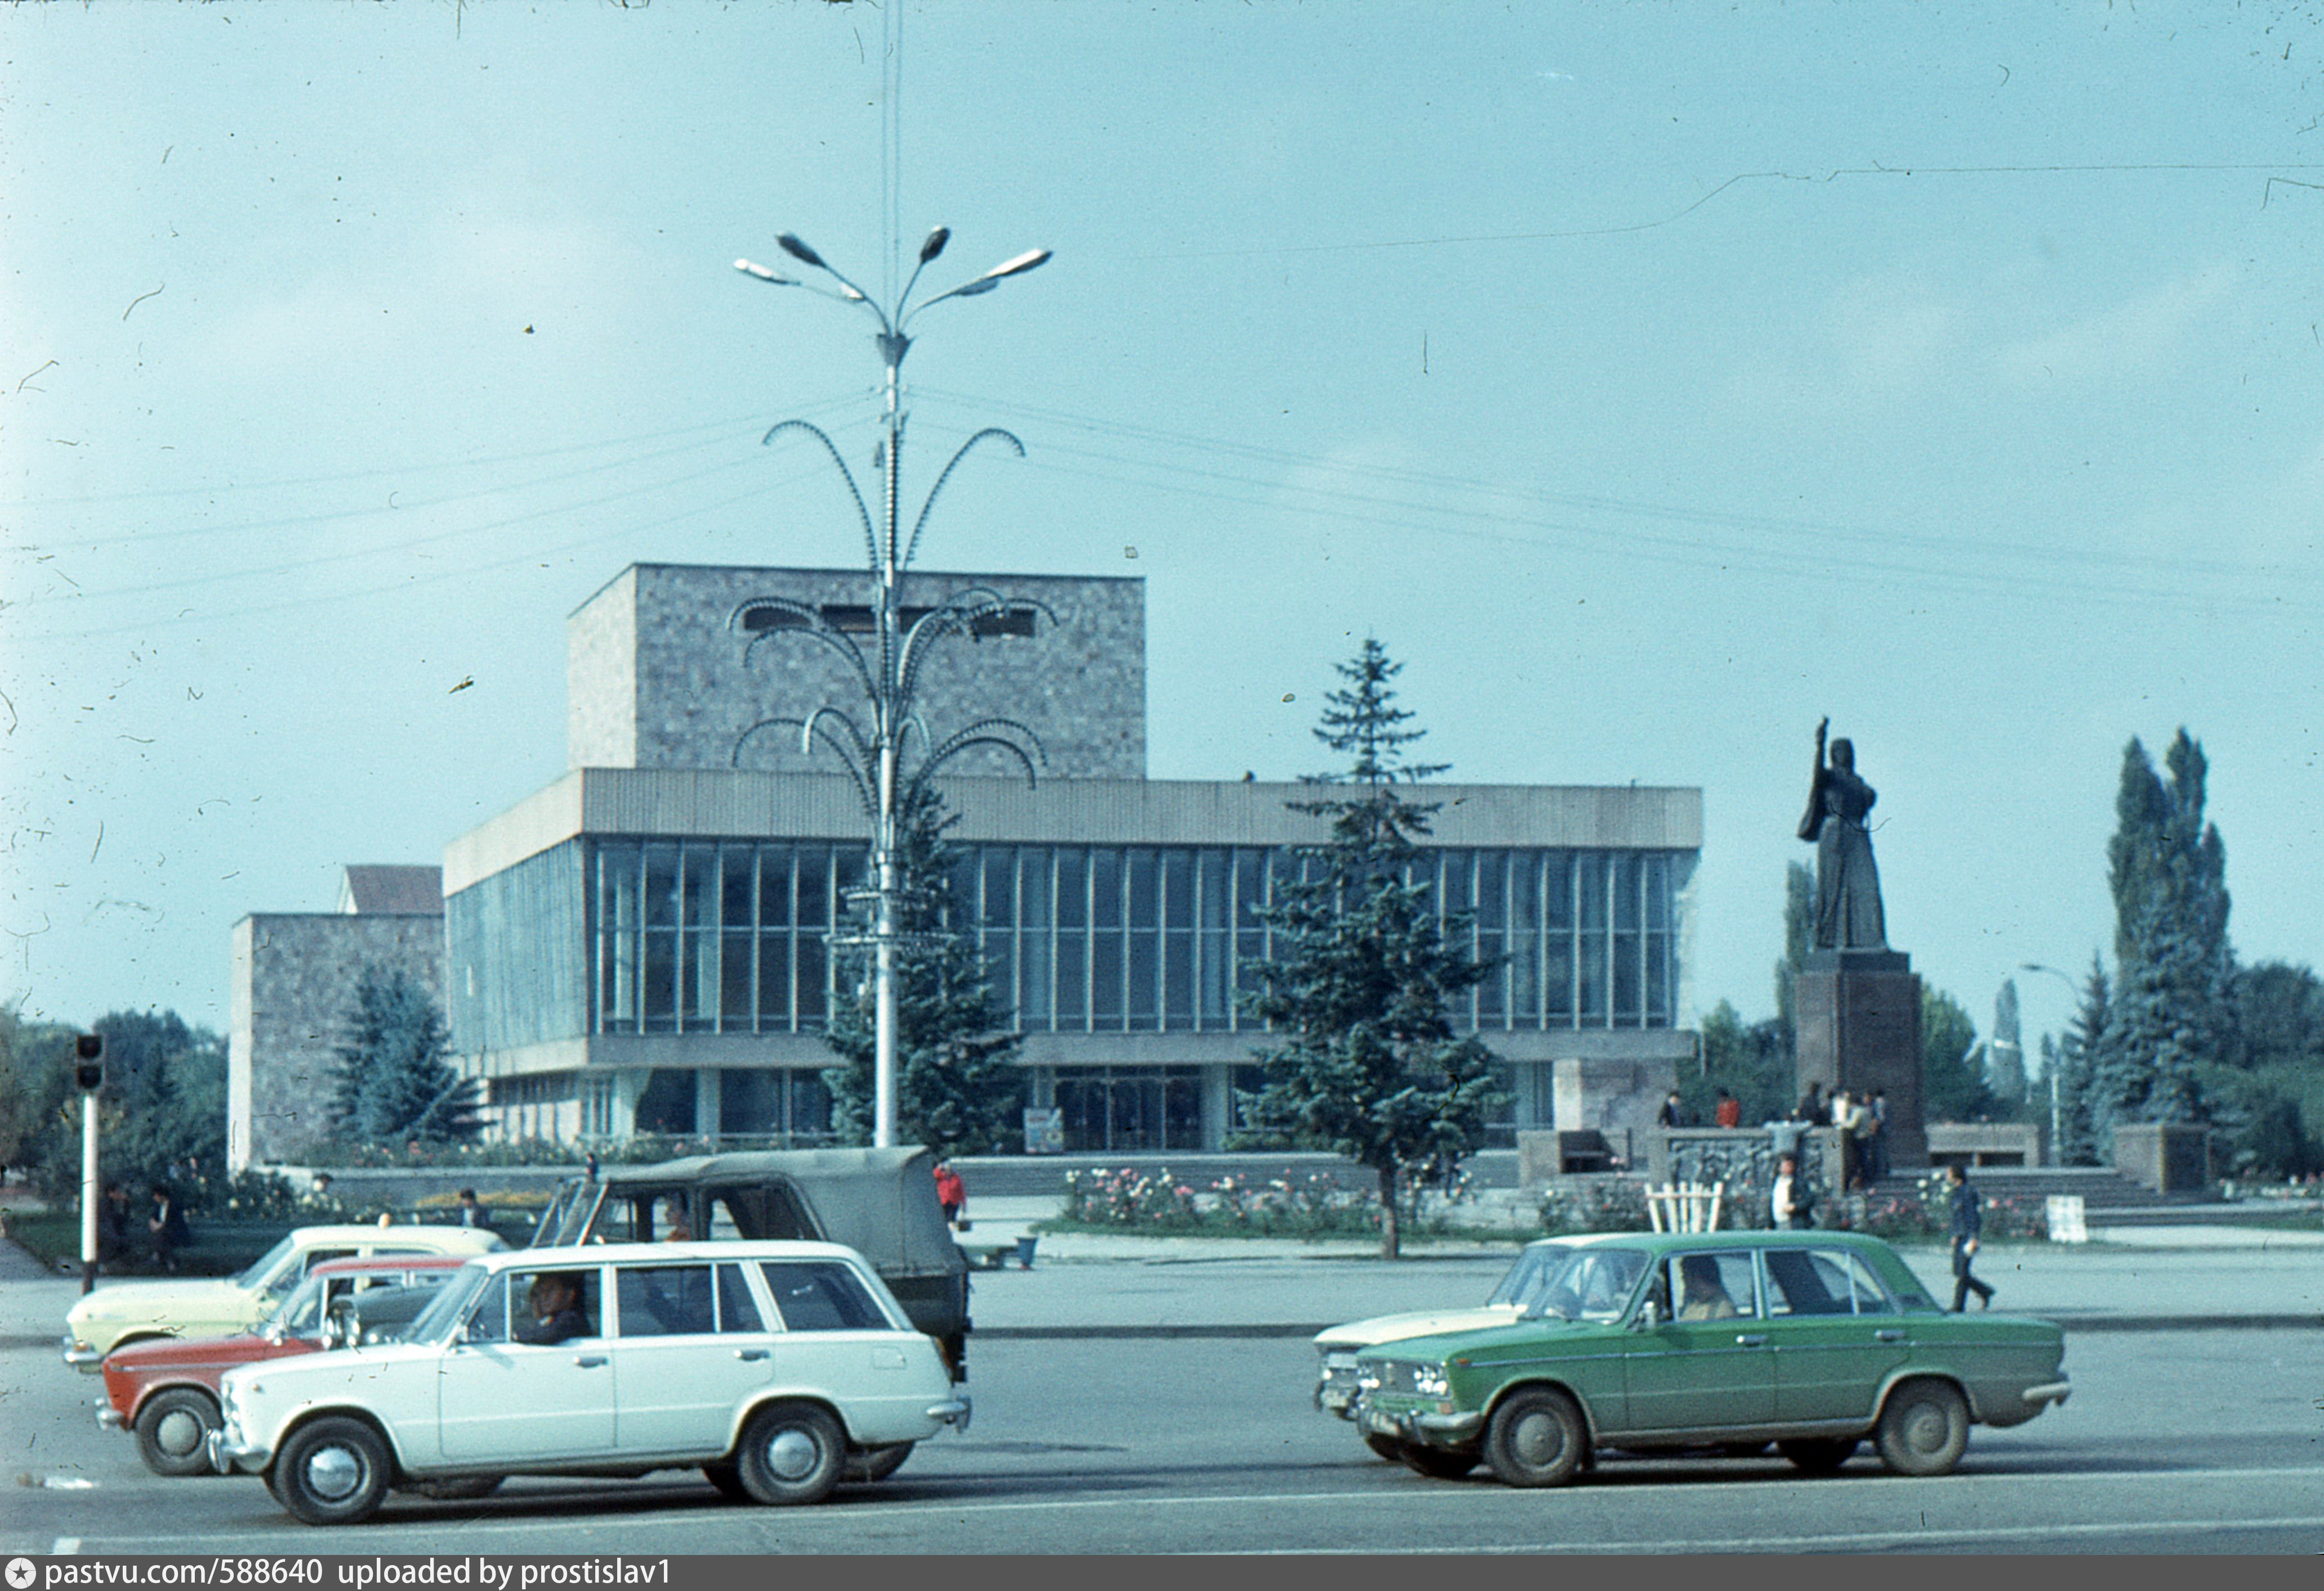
(1130, 1109)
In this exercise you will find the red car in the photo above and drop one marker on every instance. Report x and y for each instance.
(166, 1389)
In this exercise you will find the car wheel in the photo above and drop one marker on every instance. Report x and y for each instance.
(1386, 1447)
(332, 1472)
(1923, 1429)
(174, 1429)
(728, 1479)
(1437, 1463)
(791, 1453)
(1819, 1455)
(466, 1488)
(877, 1464)
(1536, 1439)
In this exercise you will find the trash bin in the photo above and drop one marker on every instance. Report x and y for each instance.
(1024, 1249)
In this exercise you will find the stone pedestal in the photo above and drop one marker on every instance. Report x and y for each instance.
(1860, 1028)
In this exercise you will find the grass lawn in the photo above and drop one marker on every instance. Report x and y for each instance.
(219, 1248)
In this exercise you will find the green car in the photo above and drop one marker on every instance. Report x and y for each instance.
(1656, 1341)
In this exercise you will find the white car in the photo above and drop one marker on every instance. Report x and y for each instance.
(134, 1311)
(774, 1367)
(1336, 1377)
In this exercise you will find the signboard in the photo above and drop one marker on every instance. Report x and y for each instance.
(1045, 1132)
(2065, 1218)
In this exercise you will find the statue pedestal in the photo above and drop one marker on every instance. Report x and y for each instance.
(1858, 1014)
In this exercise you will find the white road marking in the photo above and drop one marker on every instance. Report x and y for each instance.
(1421, 1492)
(64, 1547)
(1897, 1540)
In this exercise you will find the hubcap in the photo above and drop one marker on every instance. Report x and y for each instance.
(791, 1454)
(179, 1433)
(1539, 1440)
(1925, 1432)
(333, 1473)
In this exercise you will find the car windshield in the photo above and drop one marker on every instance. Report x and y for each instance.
(449, 1305)
(301, 1313)
(1588, 1285)
(267, 1263)
(1526, 1278)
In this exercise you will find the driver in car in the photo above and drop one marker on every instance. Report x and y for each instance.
(557, 1314)
(1706, 1295)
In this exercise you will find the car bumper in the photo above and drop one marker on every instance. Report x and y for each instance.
(956, 1412)
(80, 1354)
(227, 1458)
(2049, 1392)
(110, 1417)
(1432, 1427)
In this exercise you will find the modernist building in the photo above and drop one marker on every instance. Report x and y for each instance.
(642, 946)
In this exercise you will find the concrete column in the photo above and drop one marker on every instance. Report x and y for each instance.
(708, 1098)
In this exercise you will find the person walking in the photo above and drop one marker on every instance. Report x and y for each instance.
(472, 1214)
(952, 1193)
(1789, 1202)
(1672, 1113)
(167, 1228)
(1967, 1223)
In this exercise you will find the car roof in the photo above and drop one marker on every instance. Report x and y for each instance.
(441, 1238)
(1664, 1242)
(727, 1249)
(390, 1262)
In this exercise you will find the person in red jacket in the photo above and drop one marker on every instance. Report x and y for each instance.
(951, 1192)
(1731, 1110)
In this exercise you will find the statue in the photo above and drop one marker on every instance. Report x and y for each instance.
(1848, 885)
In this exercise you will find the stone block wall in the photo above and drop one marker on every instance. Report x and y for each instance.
(657, 678)
(294, 989)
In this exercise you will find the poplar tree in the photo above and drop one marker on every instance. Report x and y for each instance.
(2174, 1002)
(958, 1088)
(1359, 987)
(2074, 1056)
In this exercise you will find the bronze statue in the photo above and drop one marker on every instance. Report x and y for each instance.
(1848, 885)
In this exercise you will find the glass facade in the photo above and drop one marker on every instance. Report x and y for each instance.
(730, 936)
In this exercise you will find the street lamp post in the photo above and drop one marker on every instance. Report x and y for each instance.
(2057, 1144)
(873, 752)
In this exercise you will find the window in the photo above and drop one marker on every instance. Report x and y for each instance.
(1823, 1282)
(737, 1309)
(822, 1295)
(1721, 1286)
(664, 1300)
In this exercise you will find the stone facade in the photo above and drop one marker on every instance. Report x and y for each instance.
(294, 977)
(657, 678)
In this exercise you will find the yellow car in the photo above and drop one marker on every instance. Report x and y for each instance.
(136, 1311)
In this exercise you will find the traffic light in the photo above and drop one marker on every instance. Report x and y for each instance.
(89, 1061)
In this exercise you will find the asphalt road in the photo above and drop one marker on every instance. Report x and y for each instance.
(2177, 1441)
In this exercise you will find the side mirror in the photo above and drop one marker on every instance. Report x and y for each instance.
(1650, 1315)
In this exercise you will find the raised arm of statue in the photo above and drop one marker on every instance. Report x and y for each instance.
(1812, 821)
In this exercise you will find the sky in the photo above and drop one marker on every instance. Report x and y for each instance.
(1652, 380)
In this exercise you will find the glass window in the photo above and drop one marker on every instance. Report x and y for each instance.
(1144, 901)
(734, 896)
(1557, 872)
(1073, 979)
(1808, 1282)
(661, 886)
(1033, 886)
(774, 886)
(1215, 885)
(735, 1003)
(737, 1309)
(489, 1321)
(1073, 888)
(1721, 1286)
(700, 905)
(1105, 888)
(1178, 888)
(661, 997)
(1145, 981)
(1178, 978)
(1527, 1282)
(664, 1301)
(814, 886)
(821, 1295)
(1454, 894)
(774, 982)
(998, 912)
(1589, 1284)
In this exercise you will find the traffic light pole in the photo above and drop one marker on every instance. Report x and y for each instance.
(89, 1191)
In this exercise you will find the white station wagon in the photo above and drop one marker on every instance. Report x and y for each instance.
(776, 1368)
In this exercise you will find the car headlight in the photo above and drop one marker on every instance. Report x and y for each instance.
(1430, 1381)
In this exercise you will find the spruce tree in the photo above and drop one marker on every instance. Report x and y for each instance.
(1360, 988)
(396, 1081)
(958, 1088)
(2004, 1060)
(1952, 1087)
(2075, 1057)
(2174, 1009)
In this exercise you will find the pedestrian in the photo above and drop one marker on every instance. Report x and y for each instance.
(473, 1214)
(589, 1166)
(320, 1186)
(1672, 1113)
(1967, 1223)
(166, 1228)
(1813, 1110)
(1729, 1111)
(113, 1226)
(1790, 1202)
(952, 1193)
(1857, 1135)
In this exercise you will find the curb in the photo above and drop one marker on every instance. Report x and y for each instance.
(1261, 1330)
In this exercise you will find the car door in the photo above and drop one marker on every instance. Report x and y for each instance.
(1704, 1365)
(693, 1345)
(1837, 1333)
(501, 1399)
(836, 1337)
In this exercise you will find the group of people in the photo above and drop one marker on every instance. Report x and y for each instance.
(158, 1235)
(1862, 1120)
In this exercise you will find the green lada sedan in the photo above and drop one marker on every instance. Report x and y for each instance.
(1731, 1340)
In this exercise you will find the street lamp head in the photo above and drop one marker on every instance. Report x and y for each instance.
(791, 245)
(749, 268)
(935, 243)
(1017, 266)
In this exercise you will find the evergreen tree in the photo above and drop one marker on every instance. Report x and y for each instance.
(2270, 1101)
(2005, 1062)
(1752, 1061)
(1799, 930)
(1360, 989)
(958, 1088)
(396, 1081)
(1953, 1087)
(2078, 1129)
(2173, 1011)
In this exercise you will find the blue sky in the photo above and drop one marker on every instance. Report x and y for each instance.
(1652, 379)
